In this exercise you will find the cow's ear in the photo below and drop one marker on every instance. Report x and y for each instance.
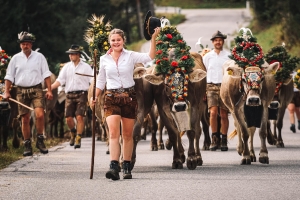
(272, 69)
(234, 71)
(197, 75)
(153, 79)
(139, 72)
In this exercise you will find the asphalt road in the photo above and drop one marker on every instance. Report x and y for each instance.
(64, 173)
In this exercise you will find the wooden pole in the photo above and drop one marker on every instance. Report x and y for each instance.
(13, 100)
(94, 116)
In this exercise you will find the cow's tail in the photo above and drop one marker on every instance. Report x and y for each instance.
(232, 134)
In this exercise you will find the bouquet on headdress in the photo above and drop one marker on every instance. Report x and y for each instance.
(97, 35)
(4, 60)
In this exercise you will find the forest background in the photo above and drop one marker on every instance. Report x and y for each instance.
(59, 23)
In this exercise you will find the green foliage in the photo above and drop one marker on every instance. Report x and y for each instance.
(202, 3)
(287, 62)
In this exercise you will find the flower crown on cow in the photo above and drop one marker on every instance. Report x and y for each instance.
(97, 35)
(183, 63)
(4, 60)
(246, 51)
(287, 64)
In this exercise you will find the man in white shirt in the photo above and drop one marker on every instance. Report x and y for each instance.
(76, 87)
(27, 70)
(213, 62)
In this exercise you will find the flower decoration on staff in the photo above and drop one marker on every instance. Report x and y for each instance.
(287, 64)
(170, 38)
(97, 35)
(4, 60)
(297, 80)
(246, 51)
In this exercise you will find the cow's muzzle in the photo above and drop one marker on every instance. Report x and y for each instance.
(253, 101)
(274, 105)
(179, 107)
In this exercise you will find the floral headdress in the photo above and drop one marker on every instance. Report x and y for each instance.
(4, 60)
(97, 35)
(287, 64)
(169, 38)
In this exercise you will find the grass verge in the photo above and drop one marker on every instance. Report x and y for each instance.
(14, 154)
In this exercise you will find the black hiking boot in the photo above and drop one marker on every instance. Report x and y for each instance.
(27, 148)
(293, 128)
(40, 144)
(127, 170)
(77, 141)
(113, 172)
(224, 146)
(214, 142)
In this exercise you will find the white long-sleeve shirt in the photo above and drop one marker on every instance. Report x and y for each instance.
(119, 74)
(214, 65)
(72, 81)
(27, 72)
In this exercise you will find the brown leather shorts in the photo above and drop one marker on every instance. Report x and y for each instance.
(30, 95)
(296, 99)
(76, 104)
(213, 96)
(120, 103)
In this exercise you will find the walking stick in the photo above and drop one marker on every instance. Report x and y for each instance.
(13, 100)
(93, 116)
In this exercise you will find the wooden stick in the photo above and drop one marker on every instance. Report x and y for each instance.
(84, 74)
(93, 116)
(13, 100)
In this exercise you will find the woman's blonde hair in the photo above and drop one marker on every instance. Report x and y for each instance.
(117, 31)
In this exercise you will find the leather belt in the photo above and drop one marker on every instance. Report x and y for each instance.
(35, 86)
(77, 92)
(218, 84)
(120, 90)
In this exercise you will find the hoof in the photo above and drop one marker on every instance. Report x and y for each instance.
(191, 162)
(16, 143)
(205, 147)
(154, 148)
(143, 137)
(161, 146)
(280, 144)
(199, 161)
(168, 145)
(264, 160)
(182, 157)
(253, 158)
(177, 165)
(107, 152)
(245, 161)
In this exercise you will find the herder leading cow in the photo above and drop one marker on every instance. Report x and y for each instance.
(247, 89)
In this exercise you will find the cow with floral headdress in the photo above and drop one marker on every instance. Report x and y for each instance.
(247, 90)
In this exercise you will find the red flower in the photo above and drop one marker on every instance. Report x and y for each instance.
(165, 58)
(5, 56)
(157, 62)
(179, 41)
(174, 64)
(159, 52)
(159, 42)
(184, 58)
(169, 36)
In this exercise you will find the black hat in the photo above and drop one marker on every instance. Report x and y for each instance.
(150, 24)
(218, 34)
(26, 37)
(75, 49)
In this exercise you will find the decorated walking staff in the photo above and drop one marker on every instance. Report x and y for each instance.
(13, 100)
(93, 116)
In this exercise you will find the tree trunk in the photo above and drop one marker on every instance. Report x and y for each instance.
(138, 11)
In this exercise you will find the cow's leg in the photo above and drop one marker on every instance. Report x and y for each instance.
(160, 126)
(270, 137)
(154, 142)
(279, 126)
(205, 128)
(191, 161)
(16, 126)
(263, 155)
(252, 152)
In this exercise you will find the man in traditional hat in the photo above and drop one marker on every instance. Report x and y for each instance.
(76, 88)
(28, 69)
(213, 62)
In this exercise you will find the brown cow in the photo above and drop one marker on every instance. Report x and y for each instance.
(168, 107)
(285, 95)
(239, 104)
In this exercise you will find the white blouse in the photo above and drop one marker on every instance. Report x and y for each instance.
(72, 81)
(214, 65)
(27, 72)
(119, 74)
